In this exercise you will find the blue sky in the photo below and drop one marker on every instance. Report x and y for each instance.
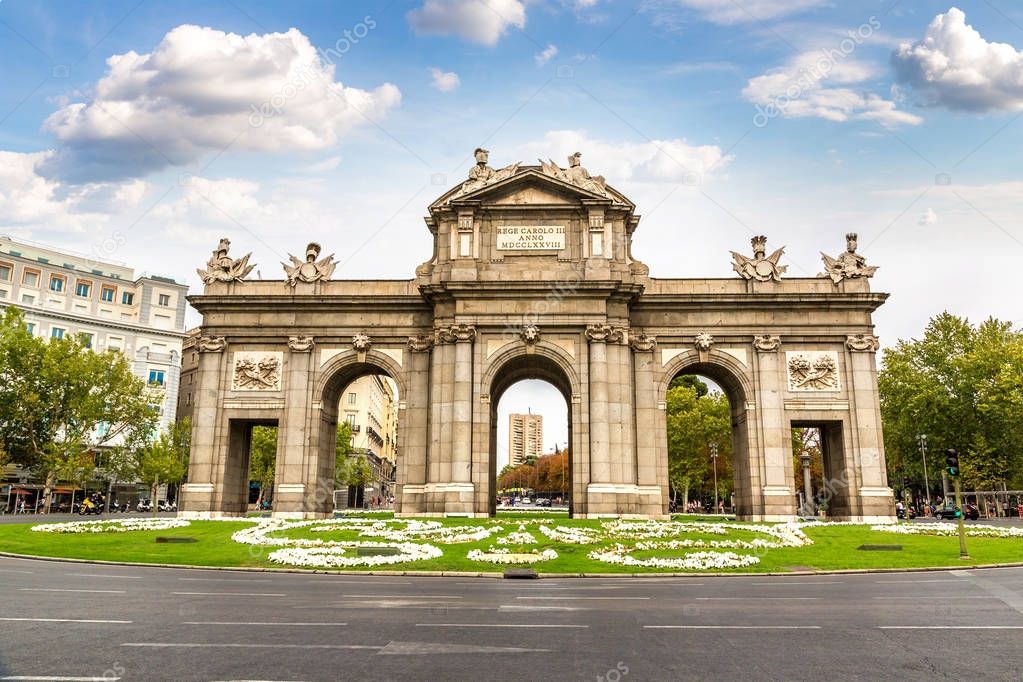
(131, 123)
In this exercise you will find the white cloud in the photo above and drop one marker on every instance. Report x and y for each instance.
(954, 67)
(928, 217)
(729, 11)
(672, 160)
(548, 53)
(328, 164)
(476, 21)
(806, 87)
(445, 81)
(203, 90)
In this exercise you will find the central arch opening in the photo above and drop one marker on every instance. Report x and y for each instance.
(527, 468)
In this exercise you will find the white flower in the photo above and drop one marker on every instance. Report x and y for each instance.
(334, 556)
(503, 556)
(572, 536)
(111, 525)
(697, 561)
(950, 529)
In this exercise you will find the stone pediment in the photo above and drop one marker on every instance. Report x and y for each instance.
(530, 186)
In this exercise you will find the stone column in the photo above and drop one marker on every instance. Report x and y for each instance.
(410, 496)
(207, 460)
(299, 492)
(777, 498)
(648, 470)
(875, 497)
(599, 335)
(461, 425)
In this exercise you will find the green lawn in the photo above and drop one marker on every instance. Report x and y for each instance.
(834, 548)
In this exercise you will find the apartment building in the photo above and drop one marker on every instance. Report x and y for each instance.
(525, 437)
(370, 405)
(66, 294)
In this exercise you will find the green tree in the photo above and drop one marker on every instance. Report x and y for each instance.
(165, 459)
(694, 423)
(342, 452)
(263, 459)
(962, 386)
(23, 395)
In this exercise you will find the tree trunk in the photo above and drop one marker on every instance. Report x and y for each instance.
(51, 480)
(152, 494)
(110, 490)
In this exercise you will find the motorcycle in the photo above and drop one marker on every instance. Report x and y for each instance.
(144, 506)
(167, 506)
(91, 505)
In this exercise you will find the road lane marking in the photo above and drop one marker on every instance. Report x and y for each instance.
(950, 627)
(732, 627)
(375, 581)
(401, 596)
(537, 607)
(61, 589)
(812, 582)
(60, 679)
(754, 598)
(432, 648)
(585, 598)
(943, 597)
(226, 580)
(245, 645)
(12, 570)
(546, 626)
(915, 582)
(64, 620)
(212, 622)
(229, 594)
(97, 575)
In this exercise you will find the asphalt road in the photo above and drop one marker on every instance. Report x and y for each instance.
(71, 621)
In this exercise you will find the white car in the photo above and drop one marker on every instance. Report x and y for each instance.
(526, 500)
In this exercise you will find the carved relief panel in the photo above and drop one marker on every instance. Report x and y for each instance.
(813, 370)
(257, 371)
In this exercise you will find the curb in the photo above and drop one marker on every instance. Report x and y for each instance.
(492, 574)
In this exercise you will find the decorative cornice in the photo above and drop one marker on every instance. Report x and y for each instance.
(301, 344)
(767, 343)
(211, 344)
(862, 343)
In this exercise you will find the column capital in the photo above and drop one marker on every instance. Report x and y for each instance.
(603, 333)
(420, 343)
(643, 343)
(457, 333)
(301, 344)
(211, 344)
(767, 343)
(862, 343)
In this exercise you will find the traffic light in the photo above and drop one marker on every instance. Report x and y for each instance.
(952, 462)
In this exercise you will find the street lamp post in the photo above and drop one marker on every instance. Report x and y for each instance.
(714, 459)
(922, 440)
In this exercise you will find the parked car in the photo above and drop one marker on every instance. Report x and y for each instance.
(543, 502)
(950, 511)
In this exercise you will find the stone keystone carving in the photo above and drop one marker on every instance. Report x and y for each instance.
(222, 268)
(361, 343)
(301, 344)
(767, 343)
(643, 343)
(254, 373)
(420, 343)
(575, 174)
(862, 343)
(703, 342)
(211, 344)
(603, 333)
(461, 333)
(530, 334)
(311, 270)
(760, 267)
(482, 175)
(808, 373)
(848, 265)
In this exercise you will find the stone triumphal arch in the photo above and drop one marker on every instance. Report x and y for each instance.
(532, 276)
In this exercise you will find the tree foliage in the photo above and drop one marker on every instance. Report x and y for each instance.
(263, 459)
(962, 386)
(695, 422)
(548, 473)
(165, 459)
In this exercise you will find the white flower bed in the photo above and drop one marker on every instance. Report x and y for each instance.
(783, 534)
(519, 537)
(503, 556)
(950, 529)
(409, 529)
(111, 525)
(335, 555)
(696, 561)
(571, 536)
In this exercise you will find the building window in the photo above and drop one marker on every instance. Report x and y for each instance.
(596, 243)
(127, 298)
(164, 300)
(56, 333)
(3, 293)
(83, 289)
(31, 328)
(5, 272)
(56, 283)
(107, 294)
(352, 398)
(350, 417)
(86, 339)
(30, 278)
(156, 377)
(115, 343)
(28, 298)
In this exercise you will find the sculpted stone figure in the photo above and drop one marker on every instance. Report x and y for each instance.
(530, 334)
(257, 374)
(767, 343)
(300, 344)
(211, 344)
(482, 175)
(760, 267)
(703, 341)
(862, 343)
(420, 343)
(311, 270)
(576, 174)
(848, 265)
(222, 268)
(643, 343)
(361, 343)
